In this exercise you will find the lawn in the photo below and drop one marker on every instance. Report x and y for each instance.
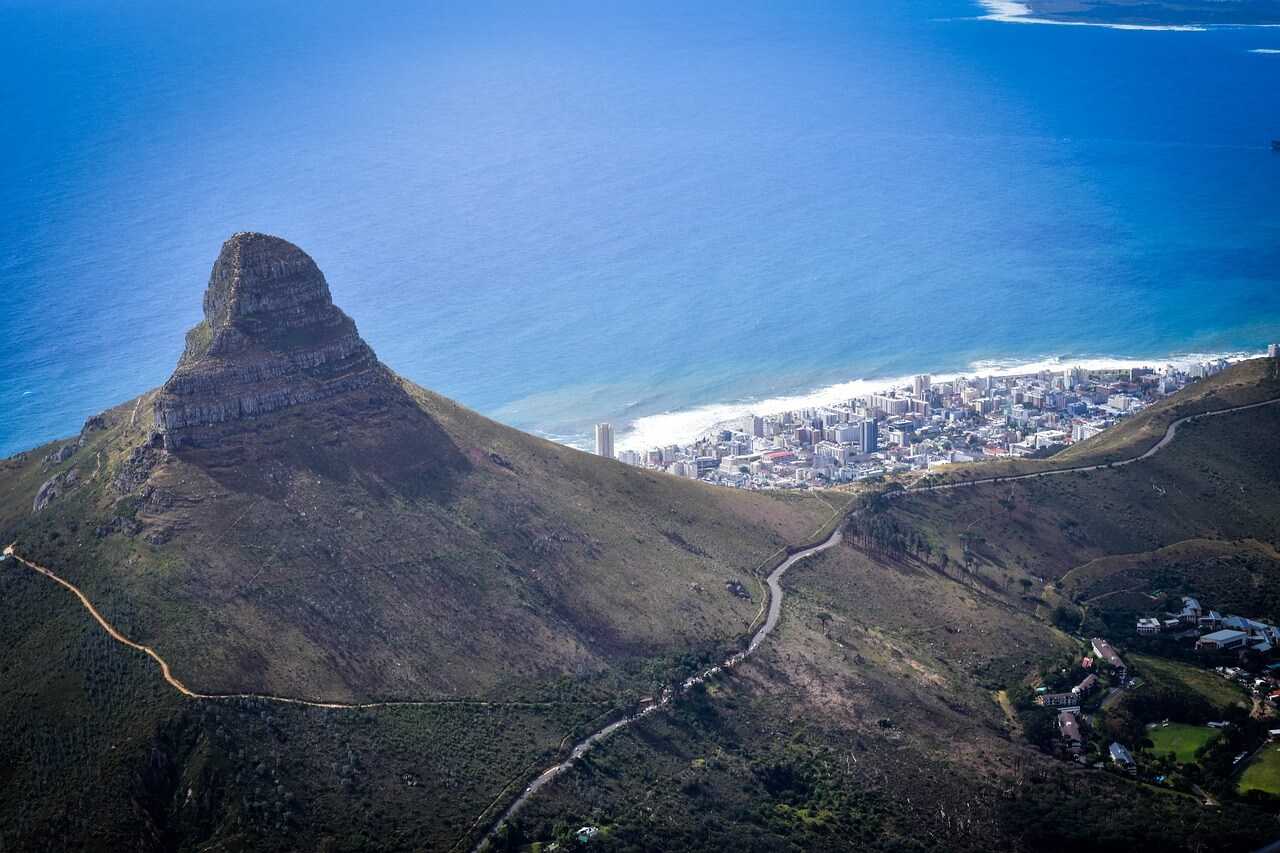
(1180, 739)
(1263, 773)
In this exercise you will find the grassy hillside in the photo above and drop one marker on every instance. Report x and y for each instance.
(289, 519)
(299, 567)
(1233, 576)
(1219, 480)
(865, 724)
(1216, 690)
(529, 573)
(100, 754)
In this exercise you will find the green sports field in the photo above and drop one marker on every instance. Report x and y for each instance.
(1263, 773)
(1180, 739)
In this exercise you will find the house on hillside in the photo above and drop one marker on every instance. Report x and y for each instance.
(1069, 728)
(1211, 621)
(1122, 758)
(1108, 655)
(1221, 641)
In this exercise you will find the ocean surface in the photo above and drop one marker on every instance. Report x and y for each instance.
(655, 214)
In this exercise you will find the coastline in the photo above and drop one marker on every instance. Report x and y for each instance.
(1023, 12)
(684, 425)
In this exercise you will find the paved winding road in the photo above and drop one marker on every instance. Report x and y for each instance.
(1169, 433)
(585, 745)
(775, 608)
(589, 742)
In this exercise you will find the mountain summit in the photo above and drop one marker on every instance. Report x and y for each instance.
(271, 338)
(287, 515)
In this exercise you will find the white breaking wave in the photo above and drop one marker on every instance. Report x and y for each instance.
(1265, 50)
(1014, 12)
(683, 427)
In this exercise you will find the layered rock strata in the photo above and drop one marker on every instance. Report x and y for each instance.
(271, 339)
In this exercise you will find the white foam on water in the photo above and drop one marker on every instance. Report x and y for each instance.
(1014, 12)
(684, 426)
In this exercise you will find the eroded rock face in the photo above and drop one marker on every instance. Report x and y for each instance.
(54, 488)
(271, 339)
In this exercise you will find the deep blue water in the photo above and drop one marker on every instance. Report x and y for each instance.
(559, 214)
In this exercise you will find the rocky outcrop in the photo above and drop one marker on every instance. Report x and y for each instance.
(54, 488)
(62, 454)
(118, 525)
(134, 470)
(271, 339)
(95, 423)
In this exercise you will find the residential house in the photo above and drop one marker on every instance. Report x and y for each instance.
(1069, 728)
(1085, 686)
(1122, 758)
(1109, 656)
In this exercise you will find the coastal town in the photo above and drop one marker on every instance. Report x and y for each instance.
(914, 427)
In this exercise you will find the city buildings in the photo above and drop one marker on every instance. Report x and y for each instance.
(915, 426)
(604, 440)
(868, 436)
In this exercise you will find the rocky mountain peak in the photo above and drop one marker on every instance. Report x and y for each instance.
(271, 339)
(263, 277)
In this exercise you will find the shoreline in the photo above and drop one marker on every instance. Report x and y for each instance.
(684, 425)
(1022, 12)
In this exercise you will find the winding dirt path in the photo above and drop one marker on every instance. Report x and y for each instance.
(167, 673)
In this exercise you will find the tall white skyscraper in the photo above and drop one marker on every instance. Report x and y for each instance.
(920, 386)
(604, 440)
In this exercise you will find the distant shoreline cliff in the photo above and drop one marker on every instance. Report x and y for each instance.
(1184, 15)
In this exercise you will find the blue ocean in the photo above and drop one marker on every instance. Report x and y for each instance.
(559, 213)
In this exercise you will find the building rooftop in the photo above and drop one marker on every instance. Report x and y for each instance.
(1223, 636)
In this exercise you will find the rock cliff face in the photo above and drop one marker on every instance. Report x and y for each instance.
(271, 339)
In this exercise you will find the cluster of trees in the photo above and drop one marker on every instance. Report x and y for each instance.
(1099, 813)
(881, 534)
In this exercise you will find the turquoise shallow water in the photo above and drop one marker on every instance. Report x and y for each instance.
(559, 214)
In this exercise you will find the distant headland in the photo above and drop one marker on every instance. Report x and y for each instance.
(1137, 14)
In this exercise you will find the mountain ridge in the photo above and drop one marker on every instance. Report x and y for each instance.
(383, 541)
